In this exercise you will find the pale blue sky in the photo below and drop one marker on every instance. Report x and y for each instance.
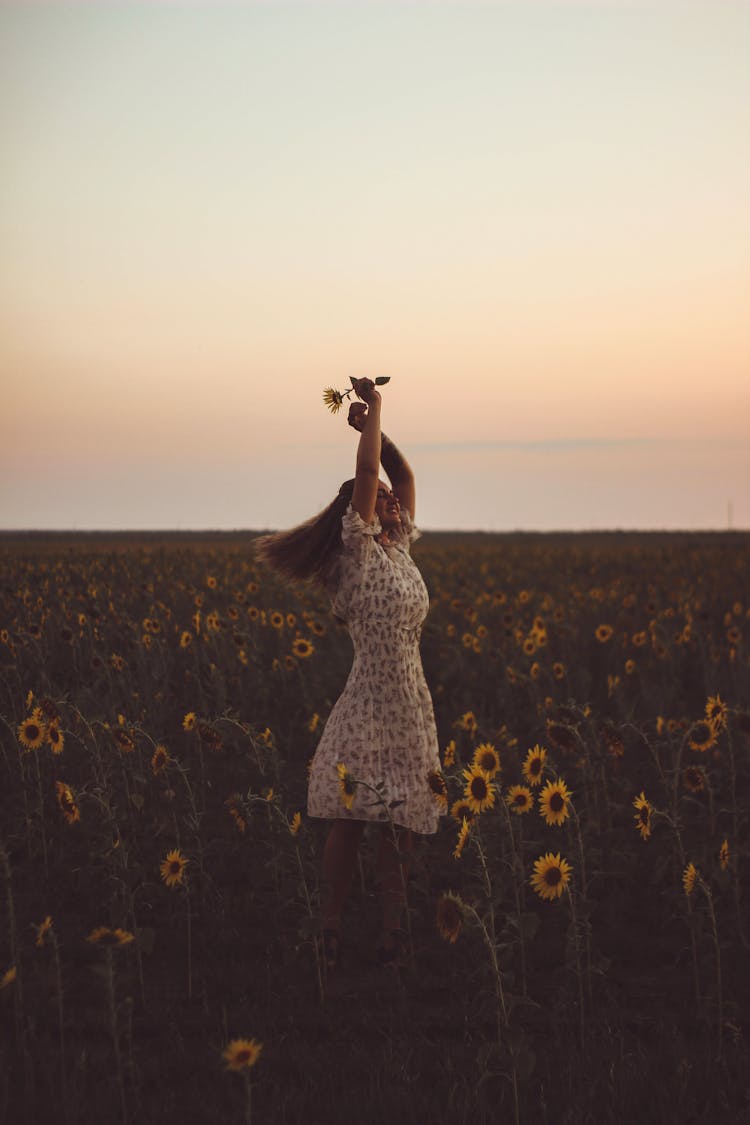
(534, 217)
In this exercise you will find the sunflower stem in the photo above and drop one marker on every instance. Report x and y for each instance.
(719, 987)
(576, 942)
(114, 1030)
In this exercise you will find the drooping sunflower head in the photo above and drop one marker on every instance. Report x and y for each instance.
(450, 916)
(449, 755)
(242, 1054)
(462, 810)
(694, 779)
(479, 790)
(519, 799)
(643, 815)
(438, 788)
(56, 738)
(124, 740)
(563, 736)
(42, 930)
(463, 835)
(551, 876)
(103, 935)
(347, 785)
(487, 758)
(333, 399)
(468, 722)
(554, 802)
(533, 766)
(689, 877)
(67, 802)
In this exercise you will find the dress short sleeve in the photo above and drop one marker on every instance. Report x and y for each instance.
(358, 537)
(410, 533)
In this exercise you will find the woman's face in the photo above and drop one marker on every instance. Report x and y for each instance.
(387, 508)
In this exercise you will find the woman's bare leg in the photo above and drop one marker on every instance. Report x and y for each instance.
(339, 862)
(394, 857)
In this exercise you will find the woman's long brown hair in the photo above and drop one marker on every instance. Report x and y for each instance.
(308, 551)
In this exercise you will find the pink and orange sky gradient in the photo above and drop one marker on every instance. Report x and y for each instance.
(535, 217)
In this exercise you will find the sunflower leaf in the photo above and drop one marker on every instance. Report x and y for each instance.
(382, 380)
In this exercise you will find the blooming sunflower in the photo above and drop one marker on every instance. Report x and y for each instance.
(519, 798)
(67, 802)
(551, 876)
(242, 1054)
(603, 633)
(717, 712)
(702, 736)
(533, 766)
(554, 802)
(277, 619)
(689, 876)
(724, 855)
(347, 785)
(160, 760)
(643, 815)
(486, 758)
(450, 916)
(172, 868)
(295, 823)
(31, 732)
(303, 648)
(479, 790)
(558, 670)
(449, 755)
(438, 788)
(186, 639)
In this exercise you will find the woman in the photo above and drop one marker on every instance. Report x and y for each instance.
(382, 728)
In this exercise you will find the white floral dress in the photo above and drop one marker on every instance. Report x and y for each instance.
(382, 727)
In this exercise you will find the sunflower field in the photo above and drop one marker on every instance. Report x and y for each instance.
(578, 932)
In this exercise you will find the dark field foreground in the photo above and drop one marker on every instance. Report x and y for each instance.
(577, 944)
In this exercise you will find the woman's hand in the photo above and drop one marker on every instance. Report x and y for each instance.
(366, 390)
(357, 416)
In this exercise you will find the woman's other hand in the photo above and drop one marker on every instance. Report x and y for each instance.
(357, 416)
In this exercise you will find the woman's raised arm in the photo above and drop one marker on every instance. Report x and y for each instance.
(368, 452)
(392, 459)
(400, 474)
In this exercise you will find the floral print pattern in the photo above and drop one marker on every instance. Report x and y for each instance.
(382, 727)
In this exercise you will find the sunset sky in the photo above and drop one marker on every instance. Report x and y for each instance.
(534, 217)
